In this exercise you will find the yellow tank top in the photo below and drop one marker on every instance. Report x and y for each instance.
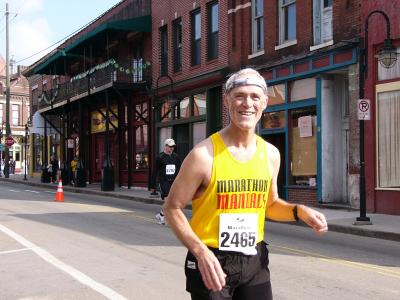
(235, 187)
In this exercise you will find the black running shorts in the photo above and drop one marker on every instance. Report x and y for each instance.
(247, 276)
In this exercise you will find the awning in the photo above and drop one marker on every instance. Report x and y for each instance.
(138, 24)
(55, 64)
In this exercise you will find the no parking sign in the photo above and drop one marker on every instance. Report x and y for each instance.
(363, 109)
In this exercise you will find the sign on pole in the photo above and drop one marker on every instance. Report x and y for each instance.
(9, 141)
(364, 109)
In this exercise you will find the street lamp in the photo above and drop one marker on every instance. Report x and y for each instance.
(387, 57)
(26, 142)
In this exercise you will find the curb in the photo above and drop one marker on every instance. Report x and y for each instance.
(353, 229)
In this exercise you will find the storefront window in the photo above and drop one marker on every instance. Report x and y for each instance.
(166, 112)
(200, 104)
(199, 132)
(388, 128)
(303, 147)
(273, 120)
(37, 163)
(276, 94)
(302, 89)
(141, 136)
(184, 108)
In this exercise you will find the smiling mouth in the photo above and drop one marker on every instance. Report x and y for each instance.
(246, 113)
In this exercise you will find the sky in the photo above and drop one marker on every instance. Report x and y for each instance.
(34, 25)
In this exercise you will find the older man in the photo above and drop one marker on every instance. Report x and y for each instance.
(231, 179)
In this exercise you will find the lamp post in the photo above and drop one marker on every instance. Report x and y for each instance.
(25, 146)
(387, 57)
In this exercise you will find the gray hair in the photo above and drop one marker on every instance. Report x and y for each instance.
(235, 81)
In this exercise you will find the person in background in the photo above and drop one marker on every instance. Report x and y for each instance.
(166, 169)
(74, 165)
(55, 168)
(231, 179)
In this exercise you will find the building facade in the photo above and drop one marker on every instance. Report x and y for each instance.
(91, 100)
(18, 114)
(382, 88)
(308, 52)
(190, 62)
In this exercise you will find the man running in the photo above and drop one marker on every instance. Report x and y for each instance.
(231, 179)
(167, 167)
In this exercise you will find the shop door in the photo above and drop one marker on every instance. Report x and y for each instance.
(278, 140)
(99, 153)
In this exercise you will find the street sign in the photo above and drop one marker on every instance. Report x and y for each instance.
(363, 109)
(9, 141)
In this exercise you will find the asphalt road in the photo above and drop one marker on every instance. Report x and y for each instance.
(92, 247)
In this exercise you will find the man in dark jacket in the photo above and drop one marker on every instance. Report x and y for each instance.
(166, 169)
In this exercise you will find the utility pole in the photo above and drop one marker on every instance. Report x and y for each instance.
(8, 129)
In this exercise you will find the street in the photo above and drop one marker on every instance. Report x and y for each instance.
(93, 247)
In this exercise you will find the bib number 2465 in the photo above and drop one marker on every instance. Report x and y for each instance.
(238, 239)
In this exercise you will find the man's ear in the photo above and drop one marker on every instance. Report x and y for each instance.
(265, 102)
(225, 101)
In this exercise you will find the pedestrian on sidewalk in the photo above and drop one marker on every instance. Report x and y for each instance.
(55, 168)
(231, 179)
(74, 165)
(167, 167)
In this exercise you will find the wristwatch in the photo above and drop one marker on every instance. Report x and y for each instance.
(296, 217)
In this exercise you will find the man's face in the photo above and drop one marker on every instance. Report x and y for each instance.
(245, 105)
(169, 149)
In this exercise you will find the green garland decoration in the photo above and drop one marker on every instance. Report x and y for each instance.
(116, 65)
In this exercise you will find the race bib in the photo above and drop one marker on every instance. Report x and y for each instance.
(238, 232)
(170, 169)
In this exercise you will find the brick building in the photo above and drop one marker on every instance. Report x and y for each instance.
(19, 111)
(190, 62)
(382, 88)
(90, 100)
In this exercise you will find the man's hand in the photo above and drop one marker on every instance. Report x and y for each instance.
(211, 271)
(313, 218)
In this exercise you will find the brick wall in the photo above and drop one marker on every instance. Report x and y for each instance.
(303, 196)
(163, 13)
(345, 25)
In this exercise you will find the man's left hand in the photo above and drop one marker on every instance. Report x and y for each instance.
(313, 218)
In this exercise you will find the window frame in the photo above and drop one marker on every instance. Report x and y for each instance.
(163, 33)
(13, 118)
(382, 88)
(254, 22)
(177, 44)
(284, 24)
(195, 46)
(212, 35)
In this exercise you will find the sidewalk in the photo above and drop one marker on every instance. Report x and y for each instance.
(339, 220)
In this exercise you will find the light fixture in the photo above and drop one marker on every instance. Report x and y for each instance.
(387, 56)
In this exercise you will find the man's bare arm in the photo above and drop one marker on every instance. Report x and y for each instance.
(279, 210)
(195, 170)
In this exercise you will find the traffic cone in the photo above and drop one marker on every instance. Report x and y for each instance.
(60, 194)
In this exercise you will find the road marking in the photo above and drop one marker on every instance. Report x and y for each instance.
(14, 251)
(330, 259)
(81, 277)
(15, 191)
(36, 192)
(50, 192)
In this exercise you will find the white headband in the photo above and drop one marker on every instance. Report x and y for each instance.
(246, 81)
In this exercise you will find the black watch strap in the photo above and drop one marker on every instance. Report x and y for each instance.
(296, 217)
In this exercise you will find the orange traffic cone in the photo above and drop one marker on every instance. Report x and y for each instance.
(60, 194)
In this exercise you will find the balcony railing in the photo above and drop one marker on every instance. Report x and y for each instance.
(132, 74)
